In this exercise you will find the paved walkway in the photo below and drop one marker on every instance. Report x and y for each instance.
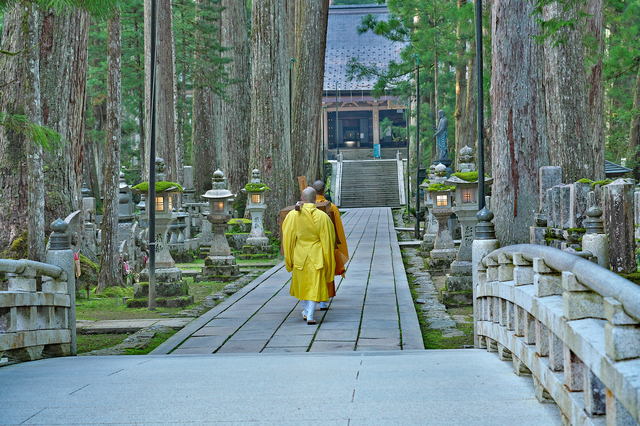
(364, 364)
(372, 310)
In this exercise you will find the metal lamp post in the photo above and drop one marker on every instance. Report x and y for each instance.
(152, 164)
(337, 142)
(417, 229)
(478, 10)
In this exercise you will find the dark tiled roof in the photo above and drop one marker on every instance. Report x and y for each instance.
(613, 169)
(344, 43)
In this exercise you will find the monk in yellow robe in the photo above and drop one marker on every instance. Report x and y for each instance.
(308, 240)
(341, 252)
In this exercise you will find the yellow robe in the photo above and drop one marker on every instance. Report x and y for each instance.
(308, 243)
(342, 252)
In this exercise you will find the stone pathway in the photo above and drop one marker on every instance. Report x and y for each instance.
(373, 309)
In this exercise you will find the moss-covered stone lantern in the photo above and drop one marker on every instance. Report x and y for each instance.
(255, 191)
(444, 251)
(220, 264)
(166, 270)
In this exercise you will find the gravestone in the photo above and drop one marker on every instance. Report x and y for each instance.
(619, 201)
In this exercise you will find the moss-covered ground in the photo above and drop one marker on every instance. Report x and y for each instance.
(92, 342)
(110, 306)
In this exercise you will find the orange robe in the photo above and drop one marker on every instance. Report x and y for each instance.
(341, 252)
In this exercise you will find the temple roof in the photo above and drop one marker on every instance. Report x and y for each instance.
(344, 43)
(614, 170)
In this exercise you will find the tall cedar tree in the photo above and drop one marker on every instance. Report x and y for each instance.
(270, 137)
(310, 34)
(518, 118)
(110, 267)
(236, 109)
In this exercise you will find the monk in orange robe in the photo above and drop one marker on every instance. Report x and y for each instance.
(341, 252)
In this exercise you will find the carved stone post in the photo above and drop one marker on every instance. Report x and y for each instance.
(60, 254)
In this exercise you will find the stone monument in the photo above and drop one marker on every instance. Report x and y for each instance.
(441, 142)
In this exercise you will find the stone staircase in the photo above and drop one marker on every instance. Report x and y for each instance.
(370, 183)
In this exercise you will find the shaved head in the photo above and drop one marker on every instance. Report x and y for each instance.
(309, 195)
(319, 186)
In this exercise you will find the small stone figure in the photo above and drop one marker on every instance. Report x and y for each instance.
(441, 137)
(255, 176)
(161, 176)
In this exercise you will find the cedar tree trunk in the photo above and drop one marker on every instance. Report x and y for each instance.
(311, 35)
(518, 119)
(110, 275)
(270, 150)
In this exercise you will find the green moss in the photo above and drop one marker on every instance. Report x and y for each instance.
(601, 182)
(634, 277)
(256, 187)
(467, 176)
(19, 248)
(440, 187)
(117, 292)
(576, 230)
(234, 221)
(585, 180)
(160, 186)
(89, 273)
(425, 182)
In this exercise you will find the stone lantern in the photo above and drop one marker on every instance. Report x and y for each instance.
(444, 251)
(255, 191)
(166, 270)
(220, 263)
(437, 174)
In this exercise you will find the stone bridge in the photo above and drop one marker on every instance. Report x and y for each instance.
(566, 326)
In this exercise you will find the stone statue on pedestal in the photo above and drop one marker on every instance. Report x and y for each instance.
(441, 137)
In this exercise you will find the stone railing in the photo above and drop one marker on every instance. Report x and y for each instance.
(39, 324)
(566, 321)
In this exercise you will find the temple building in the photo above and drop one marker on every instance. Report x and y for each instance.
(358, 129)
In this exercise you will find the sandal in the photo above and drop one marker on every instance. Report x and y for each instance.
(311, 322)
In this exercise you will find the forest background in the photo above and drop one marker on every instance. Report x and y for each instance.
(216, 106)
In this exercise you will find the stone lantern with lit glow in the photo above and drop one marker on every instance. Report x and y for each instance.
(460, 281)
(444, 251)
(255, 191)
(437, 174)
(220, 263)
(166, 271)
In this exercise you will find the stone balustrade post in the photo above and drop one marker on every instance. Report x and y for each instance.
(573, 371)
(578, 301)
(595, 395)
(484, 244)
(505, 270)
(546, 281)
(522, 271)
(621, 332)
(60, 254)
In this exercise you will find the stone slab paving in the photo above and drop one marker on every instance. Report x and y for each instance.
(127, 326)
(454, 387)
(372, 311)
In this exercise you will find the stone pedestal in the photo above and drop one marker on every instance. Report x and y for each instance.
(444, 252)
(257, 237)
(219, 268)
(459, 283)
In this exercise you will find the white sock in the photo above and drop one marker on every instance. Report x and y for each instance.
(311, 307)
